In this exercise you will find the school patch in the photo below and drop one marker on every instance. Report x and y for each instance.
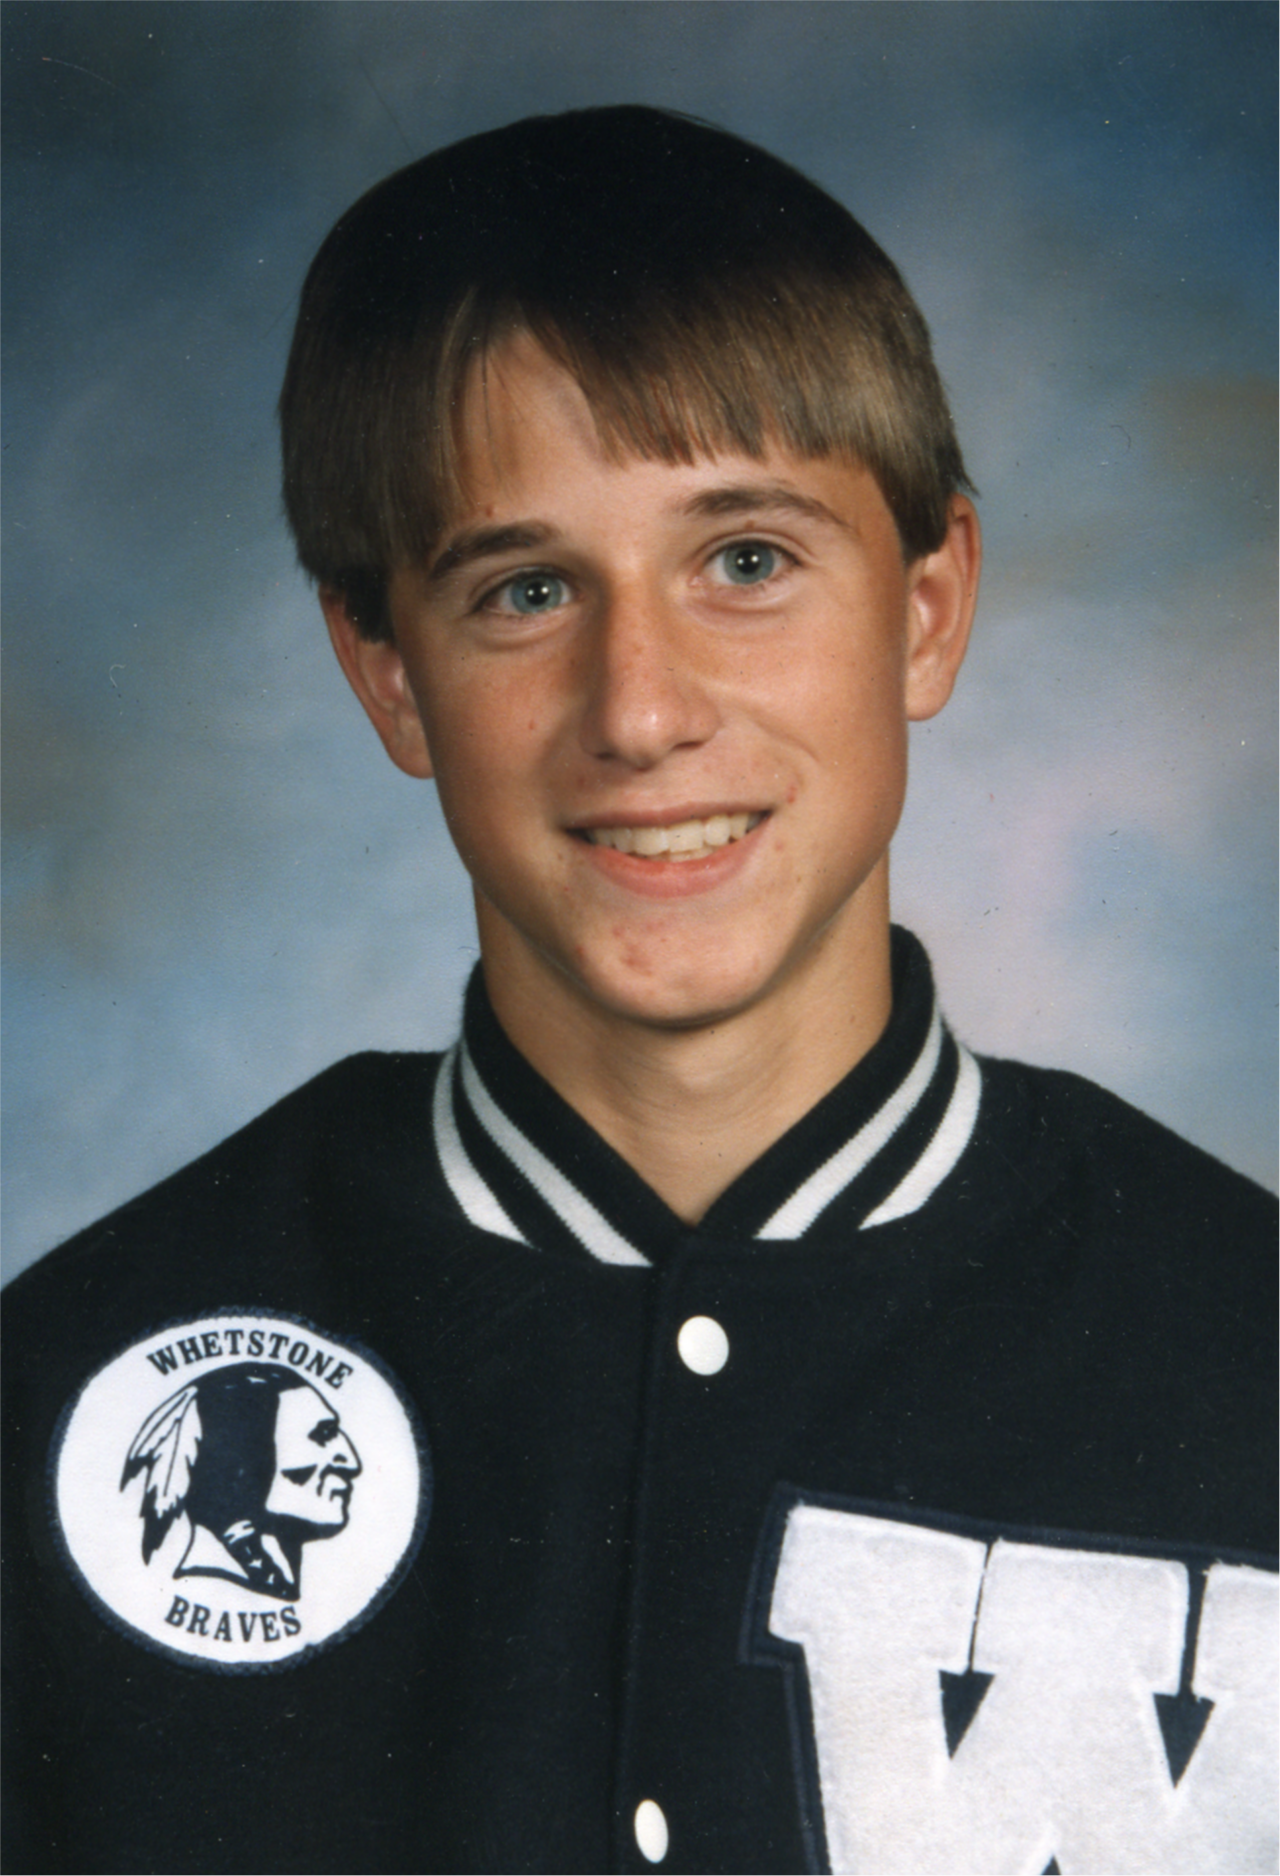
(241, 1489)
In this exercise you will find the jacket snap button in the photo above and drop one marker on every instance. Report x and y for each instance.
(703, 1345)
(651, 1830)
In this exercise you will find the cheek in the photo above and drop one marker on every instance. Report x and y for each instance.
(470, 704)
(848, 711)
(487, 767)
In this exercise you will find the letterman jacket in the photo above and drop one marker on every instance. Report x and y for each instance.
(403, 1487)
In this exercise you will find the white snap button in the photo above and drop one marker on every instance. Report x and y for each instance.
(703, 1345)
(651, 1830)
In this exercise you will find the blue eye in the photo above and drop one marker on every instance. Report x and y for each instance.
(747, 563)
(535, 592)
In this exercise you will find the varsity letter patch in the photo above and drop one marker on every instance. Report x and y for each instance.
(982, 1703)
(241, 1489)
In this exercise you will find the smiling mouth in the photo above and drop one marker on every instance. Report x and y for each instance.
(683, 840)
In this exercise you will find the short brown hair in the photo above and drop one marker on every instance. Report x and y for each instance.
(706, 297)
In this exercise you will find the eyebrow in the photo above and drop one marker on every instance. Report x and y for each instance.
(483, 543)
(753, 498)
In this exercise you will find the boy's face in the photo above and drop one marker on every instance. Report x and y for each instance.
(606, 657)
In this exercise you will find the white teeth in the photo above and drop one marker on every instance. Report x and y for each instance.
(685, 837)
(684, 840)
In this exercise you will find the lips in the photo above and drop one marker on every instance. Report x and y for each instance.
(680, 840)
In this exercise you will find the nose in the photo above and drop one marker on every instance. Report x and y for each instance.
(345, 1458)
(647, 691)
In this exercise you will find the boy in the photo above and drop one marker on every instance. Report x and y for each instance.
(708, 1419)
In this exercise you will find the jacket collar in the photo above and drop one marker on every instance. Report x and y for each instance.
(524, 1165)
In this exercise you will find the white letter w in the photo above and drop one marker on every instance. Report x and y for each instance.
(993, 1709)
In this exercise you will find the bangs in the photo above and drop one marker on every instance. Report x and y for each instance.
(706, 299)
(669, 386)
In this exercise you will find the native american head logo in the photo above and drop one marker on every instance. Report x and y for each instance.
(240, 1488)
(257, 1461)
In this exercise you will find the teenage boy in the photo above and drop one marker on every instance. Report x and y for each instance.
(783, 1440)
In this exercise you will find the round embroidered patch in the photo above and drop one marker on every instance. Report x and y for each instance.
(240, 1489)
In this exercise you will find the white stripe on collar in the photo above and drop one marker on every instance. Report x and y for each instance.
(590, 1227)
(791, 1220)
(955, 1130)
(794, 1217)
(470, 1190)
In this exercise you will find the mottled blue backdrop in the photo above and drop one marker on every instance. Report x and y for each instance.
(215, 881)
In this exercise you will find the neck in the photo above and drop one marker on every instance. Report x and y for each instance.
(690, 1108)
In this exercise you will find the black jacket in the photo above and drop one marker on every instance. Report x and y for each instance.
(939, 1540)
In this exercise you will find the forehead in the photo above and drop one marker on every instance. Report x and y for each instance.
(531, 447)
(300, 1410)
(515, 397)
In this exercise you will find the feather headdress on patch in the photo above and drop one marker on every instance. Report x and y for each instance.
(166, 1445)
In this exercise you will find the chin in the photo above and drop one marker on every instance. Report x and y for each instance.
(660, 998)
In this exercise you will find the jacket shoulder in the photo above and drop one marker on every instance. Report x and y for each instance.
(1104, 1138)
(356, 1118)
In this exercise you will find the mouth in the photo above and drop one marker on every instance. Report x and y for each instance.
(680, 840)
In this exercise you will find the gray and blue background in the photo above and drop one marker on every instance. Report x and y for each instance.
(215, 882)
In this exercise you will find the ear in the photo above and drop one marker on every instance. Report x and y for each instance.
(375, 671)
(942, 596)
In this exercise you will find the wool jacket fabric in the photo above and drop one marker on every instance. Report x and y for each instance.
(403, 1487)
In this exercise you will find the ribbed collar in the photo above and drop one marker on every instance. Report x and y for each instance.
(523, 1164)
